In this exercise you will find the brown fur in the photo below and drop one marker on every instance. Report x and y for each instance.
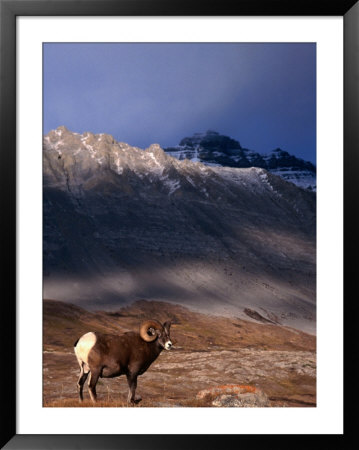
(127, 354)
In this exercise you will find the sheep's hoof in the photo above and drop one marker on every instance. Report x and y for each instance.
(136, 400)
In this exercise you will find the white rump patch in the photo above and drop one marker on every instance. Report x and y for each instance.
(83, 347)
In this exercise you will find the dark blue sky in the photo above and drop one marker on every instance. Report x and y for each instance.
(263, 95)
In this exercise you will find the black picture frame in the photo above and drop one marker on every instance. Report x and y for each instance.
(9, 10)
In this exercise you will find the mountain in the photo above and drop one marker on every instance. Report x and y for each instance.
(122, 224)
(212, 148)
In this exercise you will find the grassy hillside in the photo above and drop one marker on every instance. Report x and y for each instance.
(64, 323)
(208, 351)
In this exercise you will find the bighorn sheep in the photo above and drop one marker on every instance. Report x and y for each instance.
(108, 355)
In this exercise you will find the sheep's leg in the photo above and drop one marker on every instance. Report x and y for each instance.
(81, 382)
(132, 384)
(94, 376)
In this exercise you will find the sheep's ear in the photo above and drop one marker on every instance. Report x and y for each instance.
(167, 325)
(153, 332)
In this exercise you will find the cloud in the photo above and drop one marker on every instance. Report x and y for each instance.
(143, 93)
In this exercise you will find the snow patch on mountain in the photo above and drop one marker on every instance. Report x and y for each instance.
(213, 149)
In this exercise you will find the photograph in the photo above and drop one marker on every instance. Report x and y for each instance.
(179, 185)
(179, 203)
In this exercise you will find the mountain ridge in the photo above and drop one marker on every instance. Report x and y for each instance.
(212, 148)
(122, 223)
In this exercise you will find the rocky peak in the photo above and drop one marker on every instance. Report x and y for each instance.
(62, 129)
(278, 151)
(212, 139)
(156, 150)
(214, 149)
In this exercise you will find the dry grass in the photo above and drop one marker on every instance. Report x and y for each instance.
(112, 403)
(208, 351)
(64, 323)
(73, 403)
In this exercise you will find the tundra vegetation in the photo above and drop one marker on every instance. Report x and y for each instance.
(208, 352)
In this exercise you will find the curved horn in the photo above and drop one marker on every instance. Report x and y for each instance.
(145, 330)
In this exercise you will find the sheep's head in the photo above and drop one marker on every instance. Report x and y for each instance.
(152, 330)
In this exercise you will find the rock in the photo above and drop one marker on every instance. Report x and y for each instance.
(235, 395)
(215, 149)
(242, 400)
